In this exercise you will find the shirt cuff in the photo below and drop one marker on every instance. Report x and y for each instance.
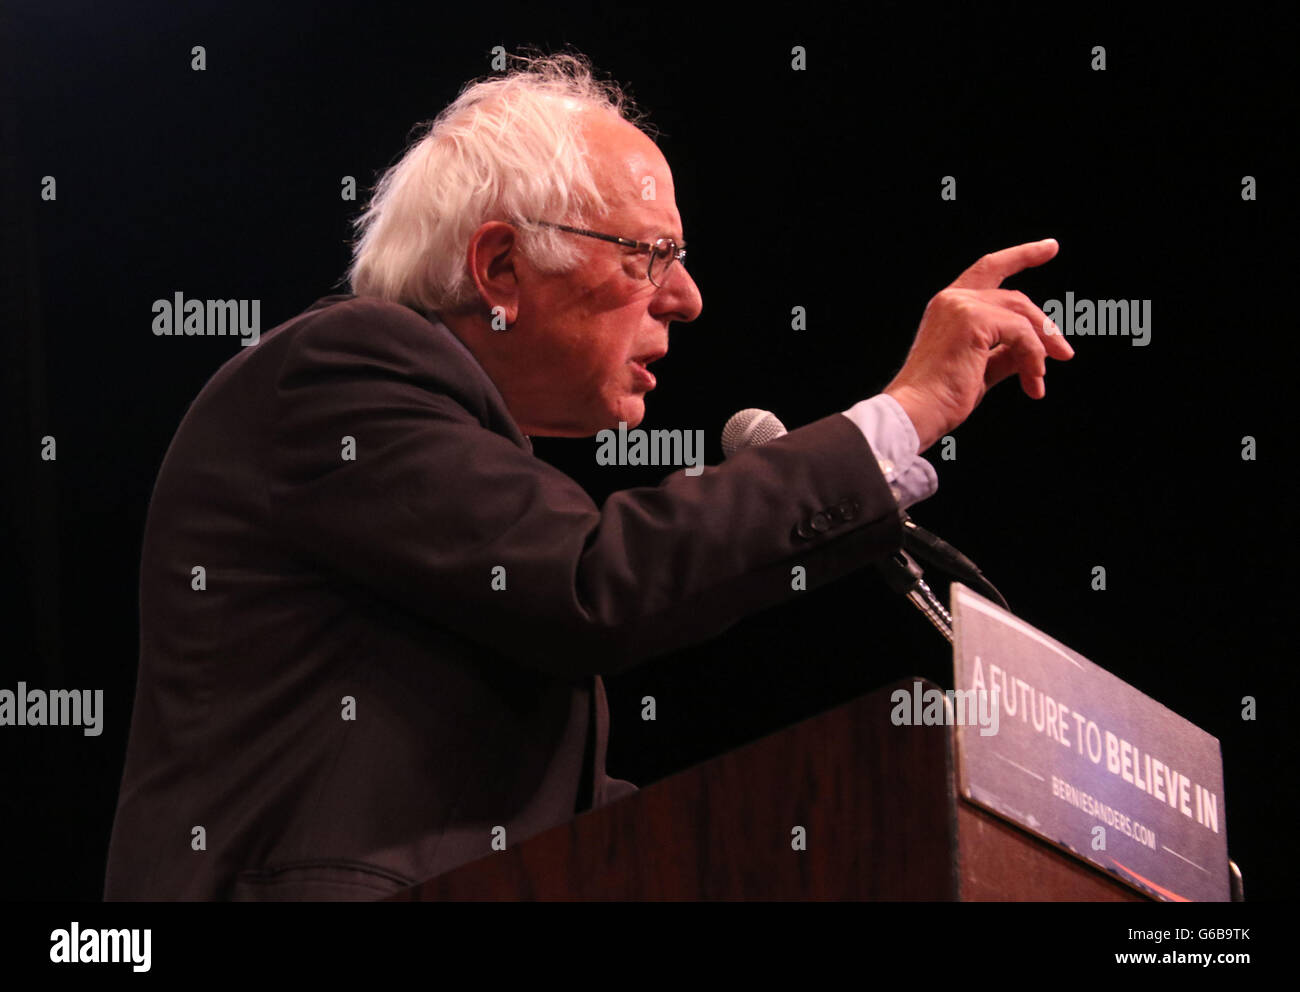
(889, 431)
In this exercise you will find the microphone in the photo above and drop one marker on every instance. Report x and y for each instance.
(750, 427)
(901, 572)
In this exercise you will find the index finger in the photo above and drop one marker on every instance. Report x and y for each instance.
(990, 270)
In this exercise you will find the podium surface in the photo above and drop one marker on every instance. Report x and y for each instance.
(842, 806)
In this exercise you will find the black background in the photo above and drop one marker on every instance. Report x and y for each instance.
(818, 189)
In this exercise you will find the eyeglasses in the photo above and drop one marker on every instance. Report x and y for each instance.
(663, 252)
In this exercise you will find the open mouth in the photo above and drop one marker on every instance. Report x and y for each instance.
(644, 375)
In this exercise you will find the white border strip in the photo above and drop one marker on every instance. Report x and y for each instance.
(1015, 624)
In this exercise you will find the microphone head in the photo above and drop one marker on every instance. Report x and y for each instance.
(749, 427)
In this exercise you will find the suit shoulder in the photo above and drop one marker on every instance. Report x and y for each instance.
(365, 323)
(376, 339)
(378, 332)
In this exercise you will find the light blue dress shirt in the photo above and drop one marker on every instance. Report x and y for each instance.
(889, 431)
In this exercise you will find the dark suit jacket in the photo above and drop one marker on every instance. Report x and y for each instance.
(327, 579)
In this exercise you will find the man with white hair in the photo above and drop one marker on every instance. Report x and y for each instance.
(373, 623)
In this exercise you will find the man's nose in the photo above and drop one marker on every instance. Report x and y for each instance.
(679, 298)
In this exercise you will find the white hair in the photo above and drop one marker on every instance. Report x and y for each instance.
(509, 148)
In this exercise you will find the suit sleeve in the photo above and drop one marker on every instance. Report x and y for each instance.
(433, 505)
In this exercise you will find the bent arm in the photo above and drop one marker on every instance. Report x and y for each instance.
(434, 502)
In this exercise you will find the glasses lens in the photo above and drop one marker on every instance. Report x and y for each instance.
(662, 257)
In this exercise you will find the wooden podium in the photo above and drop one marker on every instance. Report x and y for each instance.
(881, 814)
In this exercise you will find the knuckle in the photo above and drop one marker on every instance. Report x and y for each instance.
(945, 301)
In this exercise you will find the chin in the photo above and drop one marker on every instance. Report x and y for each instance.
(633, 413)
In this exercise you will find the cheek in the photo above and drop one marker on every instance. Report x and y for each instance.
(609, 349)
(597, 367)
(616, 367)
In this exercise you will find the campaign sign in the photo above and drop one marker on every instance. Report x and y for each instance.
(1082, 759)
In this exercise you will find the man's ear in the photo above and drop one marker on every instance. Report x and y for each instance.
(492, 255)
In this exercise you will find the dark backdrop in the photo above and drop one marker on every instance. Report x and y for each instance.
(817, 189)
